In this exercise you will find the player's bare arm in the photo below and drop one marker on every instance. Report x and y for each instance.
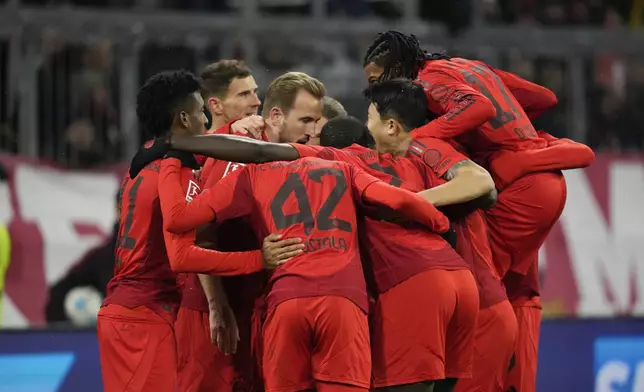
(223, 325)
(235, 148)
(466, 181)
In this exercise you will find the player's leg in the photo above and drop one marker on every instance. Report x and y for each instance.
(494, 343)
(461, 332)
(527, 308)
(138, 350)
(286, 359)
(522, 218)
(409, 328)
(341, 358)
(201, 366)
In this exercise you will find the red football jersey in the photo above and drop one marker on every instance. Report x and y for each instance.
(446, 82)
(142, 273)
(396, 252)
(308, 198)
(229, 236)
(472, 244)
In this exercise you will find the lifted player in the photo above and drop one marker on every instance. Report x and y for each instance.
(488, 112)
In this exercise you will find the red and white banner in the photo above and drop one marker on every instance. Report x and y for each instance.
(592, 264)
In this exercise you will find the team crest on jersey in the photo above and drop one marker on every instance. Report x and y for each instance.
(193, 190)
(231, 167)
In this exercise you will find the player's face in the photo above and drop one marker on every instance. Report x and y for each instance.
(373, 72)
(194, 119)
(299, 123)
(382, 130)
(315, 139)
(241, 99)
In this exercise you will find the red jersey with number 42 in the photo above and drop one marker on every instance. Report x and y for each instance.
(142, 273)
(448, 82)
(396, 252)
(309, 198)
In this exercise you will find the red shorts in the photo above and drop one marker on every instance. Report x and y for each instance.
(138, 350)
(316, 342)
(496, 335)
(523, 376)
(524, 214)
(201, 366)
(423, 328)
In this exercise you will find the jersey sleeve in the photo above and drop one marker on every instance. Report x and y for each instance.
(305, 151)
(459, 106)
(185, 256)
(370, 190)
(436, 154)
(533, 98)
(226, 202)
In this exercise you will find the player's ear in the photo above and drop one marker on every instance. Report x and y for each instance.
(216, 106)
(276, 116)
(183, 117)
(392, 127)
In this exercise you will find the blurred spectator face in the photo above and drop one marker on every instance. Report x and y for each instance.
(241, 99)
(373, 72)
(298, 124)
(314, 140)
(80, 134)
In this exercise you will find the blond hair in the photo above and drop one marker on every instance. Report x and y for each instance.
(283, 90)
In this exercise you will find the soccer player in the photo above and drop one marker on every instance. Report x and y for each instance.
(477, 109)
(135, 323)
(316, 333)
(401, 105)
(230, 93)
(330, 110)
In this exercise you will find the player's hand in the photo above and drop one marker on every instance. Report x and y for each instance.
(149, 152)
(277, 251)
(252, 126)
(224, 331)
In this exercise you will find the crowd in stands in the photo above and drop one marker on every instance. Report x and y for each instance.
(78, 85)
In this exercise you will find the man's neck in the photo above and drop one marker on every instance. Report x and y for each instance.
(217, 122)
(400, 149)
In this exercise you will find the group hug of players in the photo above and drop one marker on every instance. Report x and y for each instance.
(276, 254)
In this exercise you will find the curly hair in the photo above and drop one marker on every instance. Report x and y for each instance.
(400, 55)
(160, 97)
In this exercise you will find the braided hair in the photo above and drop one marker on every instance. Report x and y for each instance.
(400, 55)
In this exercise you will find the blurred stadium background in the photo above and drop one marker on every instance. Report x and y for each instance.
(70, 70)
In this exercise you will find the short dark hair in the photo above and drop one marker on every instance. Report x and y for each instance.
(332, 108)
(160, 97)
(400, 99)
(400, 55)
(218, 76)
(343, 131)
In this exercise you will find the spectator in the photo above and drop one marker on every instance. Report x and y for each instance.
(94, 270)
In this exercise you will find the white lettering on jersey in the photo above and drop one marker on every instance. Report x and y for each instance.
(231, 167)
(193, 190)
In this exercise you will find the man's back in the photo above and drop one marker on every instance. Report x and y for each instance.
(142, 273)
(396, 252)
(509, 129)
